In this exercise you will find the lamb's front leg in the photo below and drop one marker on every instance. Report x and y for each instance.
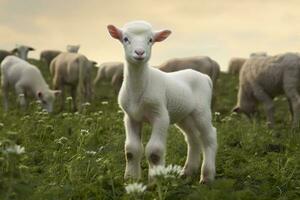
(133, 148)
(156, 147)
(21, 96)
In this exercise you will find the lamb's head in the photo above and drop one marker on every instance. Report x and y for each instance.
(47, 98)
(73, 48)
(22, 51)
(137, 38)
(246, 102)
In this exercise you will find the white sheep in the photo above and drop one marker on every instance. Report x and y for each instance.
(111, 71)
(73, 48)
(203, 64)
(74, 70)
(160, 99)
(263, 78)
(27, 80)
(22, 51)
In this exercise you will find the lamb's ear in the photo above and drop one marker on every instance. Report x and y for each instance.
(94, 62)
(39, 95)
(31, 49)
(161, 35)
(56, 92)
(14, 51)
(236, 109)
(115, 32)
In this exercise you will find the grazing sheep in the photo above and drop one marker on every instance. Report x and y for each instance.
(73, 48)
(160, 99)
(111, 71)
(48, 55)
(263, 78)
(235, 65)
(22, 51)
(201, 64)
(74, 70)
(27, 80)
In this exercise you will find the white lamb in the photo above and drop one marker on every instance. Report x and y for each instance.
(27, 80)
(160, 99)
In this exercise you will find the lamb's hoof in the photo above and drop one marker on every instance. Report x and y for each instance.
(188, 172)
(131, 177)
(203, 181)
(206, 180)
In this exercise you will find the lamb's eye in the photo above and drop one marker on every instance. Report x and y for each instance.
(150, 40)
(126, 39)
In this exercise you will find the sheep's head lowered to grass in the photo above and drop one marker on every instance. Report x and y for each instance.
(137, 38)
(47, 98)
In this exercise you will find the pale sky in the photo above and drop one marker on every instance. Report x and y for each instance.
(220, 29)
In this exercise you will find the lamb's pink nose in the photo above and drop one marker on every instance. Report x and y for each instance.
(139, 52)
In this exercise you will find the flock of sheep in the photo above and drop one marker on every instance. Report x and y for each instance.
(178, 91)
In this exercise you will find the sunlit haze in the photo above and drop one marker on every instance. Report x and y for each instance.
(219, 29)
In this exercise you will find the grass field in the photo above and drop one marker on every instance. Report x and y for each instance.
(80, 155)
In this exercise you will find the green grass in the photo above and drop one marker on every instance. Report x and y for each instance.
(80, 155)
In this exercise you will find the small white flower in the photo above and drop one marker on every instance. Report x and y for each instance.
(61, 140)
(15, 149)
(135, 188)
(86, 104)
(65, 114)
(91, 152)
(69, 98)
(169, 171)
(217, 113)
(120, 111)
(104, 102)
(174, 170)
(84, 132)
(158, 171)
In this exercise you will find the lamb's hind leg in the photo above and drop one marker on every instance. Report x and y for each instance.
(192, 136)
(208, 138)
(294, 101)
(21, 95)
